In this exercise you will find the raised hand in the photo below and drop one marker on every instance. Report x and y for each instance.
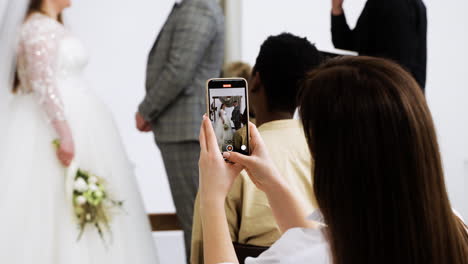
(216, 175)
(337, 7)
(288, 208)
(261, 169)
(141, 124)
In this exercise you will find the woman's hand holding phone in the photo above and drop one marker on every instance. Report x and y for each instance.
(261, 169)
(288, 209)
(216, 175)
(216, 179)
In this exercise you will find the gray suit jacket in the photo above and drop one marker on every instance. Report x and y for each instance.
(188, 51)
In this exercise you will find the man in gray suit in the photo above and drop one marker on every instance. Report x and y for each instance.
(188, 51)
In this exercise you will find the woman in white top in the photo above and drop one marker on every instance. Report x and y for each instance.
(378, 176)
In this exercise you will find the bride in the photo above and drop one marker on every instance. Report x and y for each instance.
(223, 129)
(51, 102)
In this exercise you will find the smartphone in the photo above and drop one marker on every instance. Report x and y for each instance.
(228, 109)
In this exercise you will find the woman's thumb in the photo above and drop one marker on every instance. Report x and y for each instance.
(237, 158)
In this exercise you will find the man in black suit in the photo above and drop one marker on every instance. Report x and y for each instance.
(393, 29)
(236, 116)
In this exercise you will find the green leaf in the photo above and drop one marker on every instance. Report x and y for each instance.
(56, 143)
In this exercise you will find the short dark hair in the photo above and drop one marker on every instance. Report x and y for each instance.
(378, 175)
(282, 63)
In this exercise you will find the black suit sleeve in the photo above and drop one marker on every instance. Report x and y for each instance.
(342, 36)
(393, 29)
(353, 39)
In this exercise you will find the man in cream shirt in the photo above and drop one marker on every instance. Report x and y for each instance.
(281, 64)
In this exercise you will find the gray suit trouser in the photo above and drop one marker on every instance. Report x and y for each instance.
(181, 162)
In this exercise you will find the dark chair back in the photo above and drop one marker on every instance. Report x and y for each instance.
(244, 251)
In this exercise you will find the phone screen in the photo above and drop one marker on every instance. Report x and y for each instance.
(228, 110)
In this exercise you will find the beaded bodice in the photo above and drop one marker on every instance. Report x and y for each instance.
(47, 54)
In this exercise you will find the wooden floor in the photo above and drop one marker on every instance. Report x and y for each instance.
(164, 222)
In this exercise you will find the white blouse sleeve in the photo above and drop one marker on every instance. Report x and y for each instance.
(296, 246)
(40, 49)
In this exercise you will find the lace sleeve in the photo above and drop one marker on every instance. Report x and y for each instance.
(40, 48)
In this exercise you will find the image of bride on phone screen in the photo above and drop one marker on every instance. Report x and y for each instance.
(223, 128)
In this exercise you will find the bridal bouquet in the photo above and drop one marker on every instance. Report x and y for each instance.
(92, 205)
(91, 202)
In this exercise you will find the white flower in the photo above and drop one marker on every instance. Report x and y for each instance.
(93, 187)
(80, 185)
(98, 194)
(93, 180)
(80, 200)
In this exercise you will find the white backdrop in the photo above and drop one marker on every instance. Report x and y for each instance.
(447, 87)
(119, 34)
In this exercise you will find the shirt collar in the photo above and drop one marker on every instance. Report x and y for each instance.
(280, 124)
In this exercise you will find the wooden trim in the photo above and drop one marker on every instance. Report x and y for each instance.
(164, 222)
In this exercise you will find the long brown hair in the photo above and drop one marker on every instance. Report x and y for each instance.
(378, 174)
(34, 6)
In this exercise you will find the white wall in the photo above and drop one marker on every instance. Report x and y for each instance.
(447, 88)
(118, 35)
(261, 18)
(233, 9)
(447, 91)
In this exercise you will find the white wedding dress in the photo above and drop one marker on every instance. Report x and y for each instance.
(36, 220)
(224, 136)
